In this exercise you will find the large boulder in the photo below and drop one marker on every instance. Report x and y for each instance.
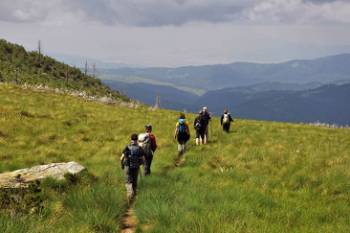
(20, 190)
(23, 177)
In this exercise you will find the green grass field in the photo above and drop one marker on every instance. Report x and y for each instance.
(262, 177)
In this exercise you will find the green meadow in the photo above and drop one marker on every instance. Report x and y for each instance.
(262, 177)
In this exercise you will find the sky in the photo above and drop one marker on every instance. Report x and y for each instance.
(180, 32)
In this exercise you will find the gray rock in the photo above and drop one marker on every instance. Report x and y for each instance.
(23, 177)
(106, 100)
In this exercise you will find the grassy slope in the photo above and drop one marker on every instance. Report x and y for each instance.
(263, 177)
(18, 65)
(41, 128)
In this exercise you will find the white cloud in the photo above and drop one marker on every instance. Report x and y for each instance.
(128, 12)
(180, 32)
(175, 12)
(299, 11)
(190, 44)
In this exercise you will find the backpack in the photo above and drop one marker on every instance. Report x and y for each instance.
(182, 126)
(134, 156)
(145, 143)
(198, 125)
(226, 118)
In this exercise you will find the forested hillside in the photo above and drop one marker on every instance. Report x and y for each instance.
(23, 67)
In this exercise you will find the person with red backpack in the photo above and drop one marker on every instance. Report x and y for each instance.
(182, 134)
(148, 143)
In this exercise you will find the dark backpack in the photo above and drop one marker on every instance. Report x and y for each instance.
(199, 123)
(134, 156)
(182, 127)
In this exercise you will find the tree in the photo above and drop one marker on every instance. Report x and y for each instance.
(16, 75)
(67, 74)
(39, 51)
(86, 68)
(94, 70)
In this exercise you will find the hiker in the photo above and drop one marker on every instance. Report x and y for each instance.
(226, 120)
(131, 159)
(206, 119)
(148, 143)
(199, 127)
(182, 134)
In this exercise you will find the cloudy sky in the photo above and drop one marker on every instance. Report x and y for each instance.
(180, 32)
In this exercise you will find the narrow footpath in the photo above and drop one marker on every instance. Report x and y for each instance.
(128, 223)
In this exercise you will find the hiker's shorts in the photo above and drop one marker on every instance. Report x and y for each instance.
(200, 134)
(183, 138)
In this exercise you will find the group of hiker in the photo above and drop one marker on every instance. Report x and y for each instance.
(142, 147)
(139, 152)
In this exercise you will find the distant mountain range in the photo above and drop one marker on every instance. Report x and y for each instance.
(295, 91)
(212, 77)
(328, 103)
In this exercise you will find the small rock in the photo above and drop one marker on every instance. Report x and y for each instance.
(106, 100)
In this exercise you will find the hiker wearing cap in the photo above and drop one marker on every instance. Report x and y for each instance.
(148, 143)
(182, 134)
(226, 120)
(132, 158)
(199, 127)
(206, 119)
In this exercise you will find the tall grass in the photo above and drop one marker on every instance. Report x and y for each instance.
(39, 128)
(262, 177)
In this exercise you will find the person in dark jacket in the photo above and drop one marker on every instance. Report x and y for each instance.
(132, 158)
(206, 119)
(226, 120)
(199, 126)
(149, 152)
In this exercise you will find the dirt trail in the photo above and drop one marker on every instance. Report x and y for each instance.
(128, 223)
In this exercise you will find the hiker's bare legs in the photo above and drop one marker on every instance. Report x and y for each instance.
(179, 148)
(205, 141)
(198, 141)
